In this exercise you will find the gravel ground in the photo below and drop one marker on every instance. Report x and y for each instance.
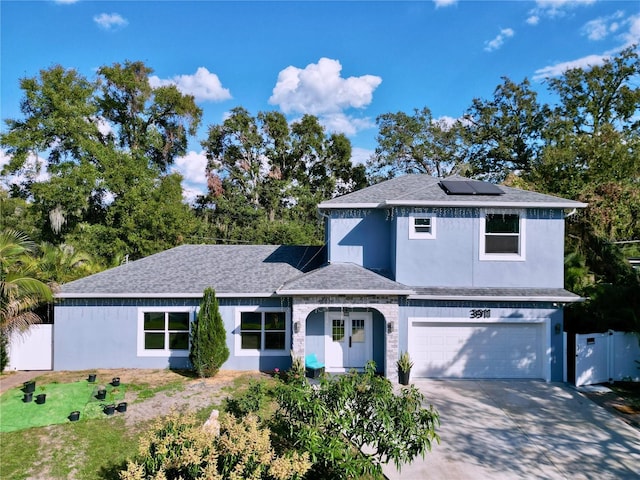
(196, 394)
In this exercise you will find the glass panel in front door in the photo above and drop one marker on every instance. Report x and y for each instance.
(337, 330)
(357, 330)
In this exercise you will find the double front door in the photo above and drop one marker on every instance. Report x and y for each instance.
(348, 340)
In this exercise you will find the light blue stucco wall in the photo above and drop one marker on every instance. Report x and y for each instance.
(452, 258)
(361, 237)
(379, 240)
(446, 260)
(393, 246)
(504, 312)
(98, 333)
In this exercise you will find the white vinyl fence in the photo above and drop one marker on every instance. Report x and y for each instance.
(606, 357)
(32, 349)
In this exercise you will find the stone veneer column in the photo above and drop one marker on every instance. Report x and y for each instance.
(391, 314)
(300, 313)
(387, 306)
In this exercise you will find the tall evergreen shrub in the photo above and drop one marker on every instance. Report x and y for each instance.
(208, 337)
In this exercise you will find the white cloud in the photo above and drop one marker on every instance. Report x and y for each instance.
(66, 2)
(548, 4)
(190, 195)
(444, 3)
(35, 164)
(560, 68)
(192, 167)
(360, 156)
(554, 9)
(632, 35)
(347, 124)
(203, 85)
(319, 89)
(533, 20)
(558, 8)
(4, 159)
(104, 127)
(629, 37)
(497, 42)
(595, 29)
(111, 21)
(446, 122)
(601, 27)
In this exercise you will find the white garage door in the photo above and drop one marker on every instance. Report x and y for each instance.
(476, 350)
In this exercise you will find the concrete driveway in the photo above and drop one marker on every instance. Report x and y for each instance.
(522, 429)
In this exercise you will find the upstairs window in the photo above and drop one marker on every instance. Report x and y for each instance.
(502, 236)
(502, 233)
(422, 227)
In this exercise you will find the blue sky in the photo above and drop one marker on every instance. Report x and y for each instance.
(346, 62)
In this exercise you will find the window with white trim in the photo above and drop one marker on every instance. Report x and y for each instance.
(164, 331)
(422, 226)
(262, 331)
(502, 236)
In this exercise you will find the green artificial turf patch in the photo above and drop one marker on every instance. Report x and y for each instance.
(61, 400)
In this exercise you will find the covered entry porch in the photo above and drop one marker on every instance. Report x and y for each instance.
(346, 332)
(347, 315)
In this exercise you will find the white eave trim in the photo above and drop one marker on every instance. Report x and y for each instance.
(481, 204)
(500, 298)
(345, 292)
(448, 203)
(330, 206)
(164, 295)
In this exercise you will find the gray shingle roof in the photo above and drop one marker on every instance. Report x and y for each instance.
(345, 279)
(424, 190)
(185, 271)
(266, 270)
(497, 294)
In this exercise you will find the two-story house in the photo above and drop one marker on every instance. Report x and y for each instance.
(464, 275)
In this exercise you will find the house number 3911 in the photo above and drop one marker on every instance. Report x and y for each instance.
(480, 313)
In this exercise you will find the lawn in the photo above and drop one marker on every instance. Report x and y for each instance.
(61, 399)
(39, 441)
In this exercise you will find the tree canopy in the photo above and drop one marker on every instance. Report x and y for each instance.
(417, 143)
(265, 177)
(108, 144)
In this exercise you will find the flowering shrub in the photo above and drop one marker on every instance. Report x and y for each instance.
(178, 447)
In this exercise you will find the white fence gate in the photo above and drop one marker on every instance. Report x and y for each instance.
(32, 349)
(606, 357)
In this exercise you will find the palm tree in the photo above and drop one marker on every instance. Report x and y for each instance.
(59, 264)
(576, 273)
(20, 290)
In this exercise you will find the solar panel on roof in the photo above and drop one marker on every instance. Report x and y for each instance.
(486, 188)
(469, 187)
(457, 187)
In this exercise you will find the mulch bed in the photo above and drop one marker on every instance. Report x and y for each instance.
(617, 405)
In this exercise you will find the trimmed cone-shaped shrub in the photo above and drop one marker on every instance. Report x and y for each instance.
(208, 338)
